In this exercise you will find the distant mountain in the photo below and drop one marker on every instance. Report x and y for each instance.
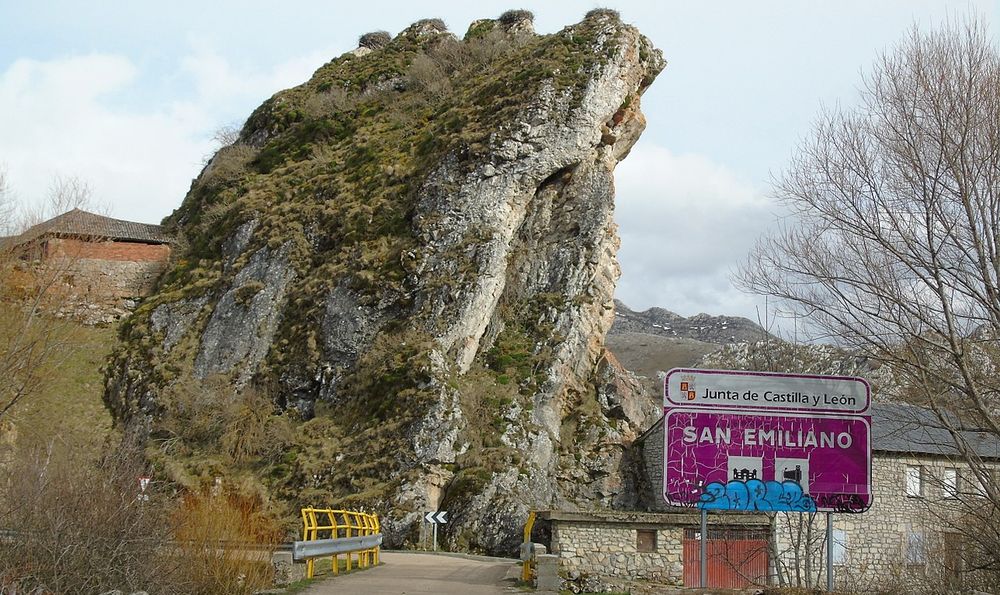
(720, 330)
(651, 342)
(648, 356)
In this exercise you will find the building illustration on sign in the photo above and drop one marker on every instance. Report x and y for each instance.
(759, 441)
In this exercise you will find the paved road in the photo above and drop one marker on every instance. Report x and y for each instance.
(405, 573)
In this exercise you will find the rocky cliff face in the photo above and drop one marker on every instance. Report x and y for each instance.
(397, 282)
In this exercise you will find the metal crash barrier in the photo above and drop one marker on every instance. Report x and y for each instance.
(328, 532)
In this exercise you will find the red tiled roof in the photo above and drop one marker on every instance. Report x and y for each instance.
(83, 224)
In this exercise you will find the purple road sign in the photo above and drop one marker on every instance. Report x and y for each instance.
(733, 460)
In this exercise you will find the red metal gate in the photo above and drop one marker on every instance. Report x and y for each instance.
(737, 557)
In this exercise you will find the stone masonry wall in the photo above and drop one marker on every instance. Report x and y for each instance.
(651, 444)
(92, 282)
(901, 534)
(610, 550)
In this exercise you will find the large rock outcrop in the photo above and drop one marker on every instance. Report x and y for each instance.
(412, 258)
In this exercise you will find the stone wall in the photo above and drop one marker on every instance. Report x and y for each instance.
(601, 548)
(92, 282)
(903, 535)
(609, 550)
(650, 446)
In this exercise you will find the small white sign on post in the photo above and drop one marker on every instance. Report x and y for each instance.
(435, 518)
(143, 484)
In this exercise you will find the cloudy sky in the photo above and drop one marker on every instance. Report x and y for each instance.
(127, 95)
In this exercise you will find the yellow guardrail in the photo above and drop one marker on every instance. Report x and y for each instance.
(324, 523)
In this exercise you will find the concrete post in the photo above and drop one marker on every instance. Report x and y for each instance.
(285, 569)
(547, 569)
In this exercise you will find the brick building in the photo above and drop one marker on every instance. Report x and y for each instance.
(94, 261)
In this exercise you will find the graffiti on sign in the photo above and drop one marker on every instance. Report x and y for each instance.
(756, 495)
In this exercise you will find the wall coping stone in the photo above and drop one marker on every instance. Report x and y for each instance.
(683, 516)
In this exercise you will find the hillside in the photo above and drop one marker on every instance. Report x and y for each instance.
(396, 284)
(67, 406)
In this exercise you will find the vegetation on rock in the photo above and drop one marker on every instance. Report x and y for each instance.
(340, 187)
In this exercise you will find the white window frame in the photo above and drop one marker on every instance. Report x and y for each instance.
(950, 481)
(913, 481)
(839, 547)
(915, 552)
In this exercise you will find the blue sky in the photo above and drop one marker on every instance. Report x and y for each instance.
(127, 96)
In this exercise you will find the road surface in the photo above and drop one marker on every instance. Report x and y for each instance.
(406, 573)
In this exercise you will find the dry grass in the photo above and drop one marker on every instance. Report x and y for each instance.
(203, 523)
(67, 406)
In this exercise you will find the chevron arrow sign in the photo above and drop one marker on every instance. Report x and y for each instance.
(436, 517)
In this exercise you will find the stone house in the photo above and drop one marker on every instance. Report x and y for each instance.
(913, 529)
(924, 493)
(95, 262)
(601, 550)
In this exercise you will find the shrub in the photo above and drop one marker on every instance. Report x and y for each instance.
(79, 526)
(206, 520)
(427, 76)
(229, 164)
(254, 431)
(329, 101)
(427, 25)
(513, 17)
(375, 40)
(207, 416)
(602, 13)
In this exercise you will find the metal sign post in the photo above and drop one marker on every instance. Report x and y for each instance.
(434, 518)
(704, 548)
(829, 551)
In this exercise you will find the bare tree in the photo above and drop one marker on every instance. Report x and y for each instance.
(32, 343)
(65, 193)
(894, 250)
(6, 206)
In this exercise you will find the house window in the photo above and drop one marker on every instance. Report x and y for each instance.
(916, 548)
(645, 540)
(914, 481)
(839, 547)
(954, 547)
(949, 482)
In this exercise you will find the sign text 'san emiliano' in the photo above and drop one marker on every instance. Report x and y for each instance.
(762, 441)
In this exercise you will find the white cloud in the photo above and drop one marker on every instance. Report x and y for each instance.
(68, 116)
(219, 82)
(59, 117)
(685, 223)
